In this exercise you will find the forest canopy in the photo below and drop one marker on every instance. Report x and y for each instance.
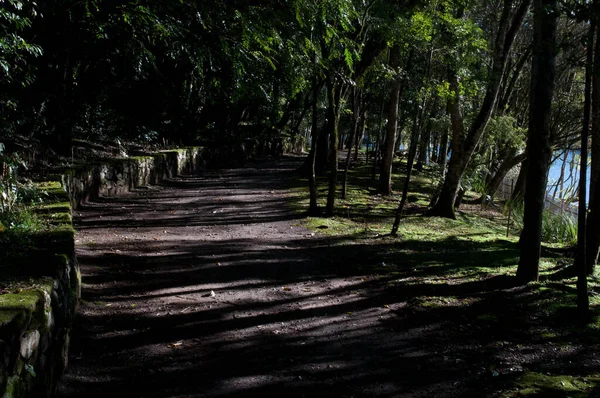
(450, 83)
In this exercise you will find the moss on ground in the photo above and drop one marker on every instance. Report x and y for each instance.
(464, 267)
(537, 384)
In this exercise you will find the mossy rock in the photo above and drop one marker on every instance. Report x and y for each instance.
(56, 207)
(60, 218)
(15, 387)
(27, 304)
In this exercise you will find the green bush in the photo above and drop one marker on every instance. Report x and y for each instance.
(556, 228)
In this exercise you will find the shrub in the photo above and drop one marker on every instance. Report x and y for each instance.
(556, 228)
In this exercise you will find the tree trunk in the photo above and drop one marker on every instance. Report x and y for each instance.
(385, 179)
(412, 152)
(377, 146)
(583, 301)
(539, 152)
(312, 178)
(333, 117)
(323, 155)
(505, 101)
(355, 128)
(520, 185)
(444, 205)
(460, 158)
(359, 134)
(504, 168)
(561, 178)
(443, 155)
(435, 147)
(423, 147)
(593, 220)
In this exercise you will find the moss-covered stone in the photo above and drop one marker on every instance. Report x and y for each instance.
(25, 300)
(8, 316)
(60, 218)
(56, 207)
(15, 387)
(37, 315)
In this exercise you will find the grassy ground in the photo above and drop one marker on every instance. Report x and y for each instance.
(468, 266)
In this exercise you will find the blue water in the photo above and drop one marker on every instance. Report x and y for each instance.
(573, 179)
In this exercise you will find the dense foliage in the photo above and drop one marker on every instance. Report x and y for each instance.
(448, 79)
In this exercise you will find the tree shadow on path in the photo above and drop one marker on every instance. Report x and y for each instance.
(206, 286)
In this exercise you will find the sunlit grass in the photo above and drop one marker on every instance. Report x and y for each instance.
(432, 251)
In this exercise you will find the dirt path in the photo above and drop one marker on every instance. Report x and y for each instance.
(207, 286)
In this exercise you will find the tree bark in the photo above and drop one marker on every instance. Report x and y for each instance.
(424, 144)
(520, 185)
(359, 134)
(504, 168)
(451, 185)
(377, 146)
(583, 301)
(355, 128)
(539, 152)
(412, 152)
(312, 178)
(333, 115)
(593, 218)
(443, 154)
(385, 179)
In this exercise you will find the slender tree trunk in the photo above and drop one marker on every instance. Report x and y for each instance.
(354, 132)
(312, 178)
(423, 146)
(435, 147)
(359, 134)
(443, 155)
(333, 116)
(583, 301)
(561, 178)
(377, 146)
(593, 220)
(539, 152)
(426, 133)
(509, 91)
(504, 168)
(520, 185)
(385, 179)
(412, 152)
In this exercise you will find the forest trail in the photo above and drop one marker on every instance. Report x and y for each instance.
(208, 286)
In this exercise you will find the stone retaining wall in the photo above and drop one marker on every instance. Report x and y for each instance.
(38, 305)
(110, 178)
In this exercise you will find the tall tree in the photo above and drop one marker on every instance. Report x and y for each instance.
(583, 303)
(593, 218)
(463, 148)
(539, 152)
(385, 180)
